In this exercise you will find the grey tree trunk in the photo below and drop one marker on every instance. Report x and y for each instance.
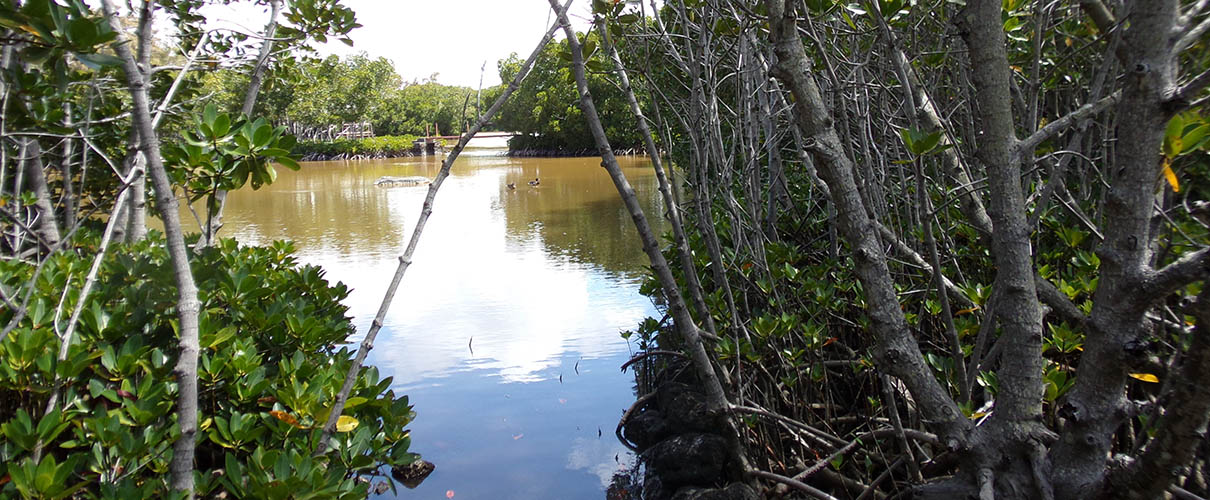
(716, 399)
(45, 226)
(671, 208)
(181, 468)
(136, 212)
(255, 80)
(898, 353)
(68, 201)
(1017, 420)
(1097, 406)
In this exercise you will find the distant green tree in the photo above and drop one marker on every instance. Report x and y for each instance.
(335, 91)
(418, 106)
(545, 109)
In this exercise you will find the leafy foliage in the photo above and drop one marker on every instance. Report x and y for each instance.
(374, 147)
(546, 111)
(331, 91)
(270, 365)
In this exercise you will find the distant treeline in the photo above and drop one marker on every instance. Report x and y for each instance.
(332, 91)
(546, 110)
(320, 92)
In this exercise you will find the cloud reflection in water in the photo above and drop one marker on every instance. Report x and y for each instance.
(536, 280)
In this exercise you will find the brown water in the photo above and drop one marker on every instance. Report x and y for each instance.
(505, 333)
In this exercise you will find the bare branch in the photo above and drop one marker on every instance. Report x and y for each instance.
(1053, 128)
(801, 486)
(1193, 266)
(1182, 98)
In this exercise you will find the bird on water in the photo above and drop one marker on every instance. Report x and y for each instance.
(512, 185)
(534, 182)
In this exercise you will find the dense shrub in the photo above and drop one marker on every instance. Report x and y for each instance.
(271, 363)
(386, 146)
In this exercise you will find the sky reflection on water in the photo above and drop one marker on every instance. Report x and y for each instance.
(505, 332)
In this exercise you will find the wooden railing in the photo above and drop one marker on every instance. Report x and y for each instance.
(355, 130)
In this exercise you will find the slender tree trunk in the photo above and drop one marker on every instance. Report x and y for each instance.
(181, 468)
(136, 210)
(68, 201)
(68, 333)
(670, 205)
(45, 226)
(121, 212)
(255, 80)
(1018, 408)
(898, 352)
(716, 399)
(1097, 405)
(405, 260)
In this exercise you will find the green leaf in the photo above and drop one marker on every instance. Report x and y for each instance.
(220, 126)
(929, 142)
(1172, 137)
(81, 32)
(287, 162)
(209, 114)
(1194, 138)
(261, 136)
(97, 61)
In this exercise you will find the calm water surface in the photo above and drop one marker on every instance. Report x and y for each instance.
(505, 331)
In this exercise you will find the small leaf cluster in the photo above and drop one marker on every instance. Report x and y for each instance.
(50, 29)
(222, 153)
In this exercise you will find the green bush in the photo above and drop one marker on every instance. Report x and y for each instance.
(271, 363)
(375, 147)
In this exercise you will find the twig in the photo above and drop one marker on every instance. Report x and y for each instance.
(804, 487)
(874, 434)
(646, 354)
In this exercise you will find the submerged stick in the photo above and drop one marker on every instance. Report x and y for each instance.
(405, 260)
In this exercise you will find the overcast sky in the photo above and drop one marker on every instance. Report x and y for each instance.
(450, 38)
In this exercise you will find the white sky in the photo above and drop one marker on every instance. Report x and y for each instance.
(452, 38)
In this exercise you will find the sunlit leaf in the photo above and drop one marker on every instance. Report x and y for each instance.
(285, 417)
(1171, 176)
(1145, 377)
(346, 423)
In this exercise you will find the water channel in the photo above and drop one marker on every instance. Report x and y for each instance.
(505, 333)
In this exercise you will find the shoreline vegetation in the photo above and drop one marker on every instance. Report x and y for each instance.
(402, 146)
(388, 146)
